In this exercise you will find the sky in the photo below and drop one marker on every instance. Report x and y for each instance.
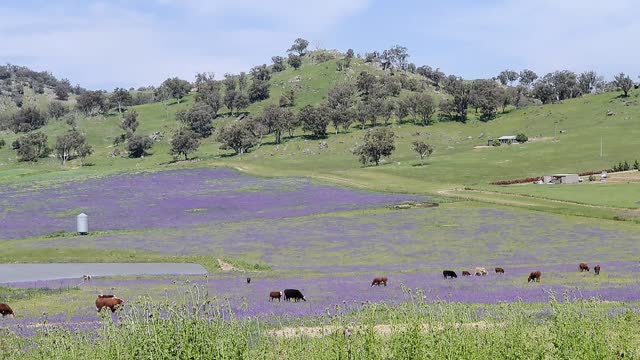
(109, 43)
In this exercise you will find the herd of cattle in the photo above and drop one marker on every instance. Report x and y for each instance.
(112, 303)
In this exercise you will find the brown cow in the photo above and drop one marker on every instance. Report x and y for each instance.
(466, 273)
(108, 301)
(534, 276)
(583, 267)
(379, 281)
(275, 295)
(499, 270)
(6, 310)
(596, 269)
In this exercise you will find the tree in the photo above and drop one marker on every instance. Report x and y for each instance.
(522, 138)
(587, 81)
(426, 107)
(177, 88)
(366, 83)
(121, 97)
(237, 136)
(288, 98)
(69, 144)
(208, 92)
(137, 146)
(486, 94)
(395, 58)
(27, 119)
(184, 142)
(378, 143)
(229, 82)
(230, 100)
(461, 93)
(130, 122)
(314, 120)
(278, 64)
(2, 143)
(423, 149)
(295, 61)
(91, 103)
(389, 108)
(83, 151)
(299, 46)
(624, 82)
(259, 90)
(364, 112)
(527, 77)
(241, 101)
(544, 91)
(507, 77)
(57, 109)
(261, 72)
(62, 91)
(242, 82)
(198, 119)
(340, 101)
(31, 147)
(435, 76)
(276, 120)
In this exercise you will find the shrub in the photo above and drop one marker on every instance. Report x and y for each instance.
(636, 165)
(522, 138)
(516, 181)
(2, 143)
(496, 143)
(592, 178)
(137, 145)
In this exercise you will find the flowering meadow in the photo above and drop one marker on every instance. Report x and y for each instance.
(171, 199)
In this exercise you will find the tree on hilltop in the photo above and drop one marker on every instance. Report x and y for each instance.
(299, 46)
(295, 61)
(177, 88)
(121, 97)
(278, 64)
(624, 82)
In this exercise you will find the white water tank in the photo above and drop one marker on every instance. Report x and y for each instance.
(83, 224)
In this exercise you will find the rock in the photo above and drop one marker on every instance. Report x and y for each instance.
(295, 79)
(323, 145)
(610, 113)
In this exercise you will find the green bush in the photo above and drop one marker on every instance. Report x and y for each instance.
(522, 138)
(3, 143)
(592, 178)
(496, 143)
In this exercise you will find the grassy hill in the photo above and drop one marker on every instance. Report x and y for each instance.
(564, 137)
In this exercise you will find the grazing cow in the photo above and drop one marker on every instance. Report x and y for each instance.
(449, 273)
(379, 281)
(248, 280)
(480, 271)
(583, 267)
(294, 294)
(86, 278)
(108, 301)
(6, 310)
(275, 295)
(466, 273)
(499, 270)
(534, 276)
(596, 269)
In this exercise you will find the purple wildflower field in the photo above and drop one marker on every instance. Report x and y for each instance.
(171, 199)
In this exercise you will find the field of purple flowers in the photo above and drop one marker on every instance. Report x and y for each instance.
(171, 199)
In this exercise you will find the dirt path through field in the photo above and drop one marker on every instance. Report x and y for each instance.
(380, 329)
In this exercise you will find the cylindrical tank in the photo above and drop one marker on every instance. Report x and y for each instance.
(83, 224)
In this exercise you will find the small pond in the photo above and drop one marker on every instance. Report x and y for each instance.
(10, 273)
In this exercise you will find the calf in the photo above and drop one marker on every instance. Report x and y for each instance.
(275, 295)
(6, 310)
(583, 267)
(449, 273)
(499, 270)
(108, 301)
(466, 273)
(248, 280)
(294, 294)
(379, 281)
(534, 276)
(596, 269)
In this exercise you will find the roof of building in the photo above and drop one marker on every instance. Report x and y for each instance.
(562, 175)
(507, 137)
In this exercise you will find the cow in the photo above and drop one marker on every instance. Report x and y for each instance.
(6, 310)
(108, 301)
(449, 273)
(583, 267)
(466, 273)
(275, 295)
(294, 294)
(86, 278)
(379, 281)
(534, 276)
(480, 271)
(248, 280)
(596, 269)
(499, 270)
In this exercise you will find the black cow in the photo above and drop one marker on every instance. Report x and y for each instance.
(449, 273)
(248, 280)
(294, 294)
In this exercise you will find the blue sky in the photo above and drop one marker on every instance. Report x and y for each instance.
(103, 44)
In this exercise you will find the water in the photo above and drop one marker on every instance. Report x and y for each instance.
(39, 272)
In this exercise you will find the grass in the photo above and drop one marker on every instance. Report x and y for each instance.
(420, 329)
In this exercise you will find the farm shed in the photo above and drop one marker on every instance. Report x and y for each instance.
(561, 179)
(505, 139)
